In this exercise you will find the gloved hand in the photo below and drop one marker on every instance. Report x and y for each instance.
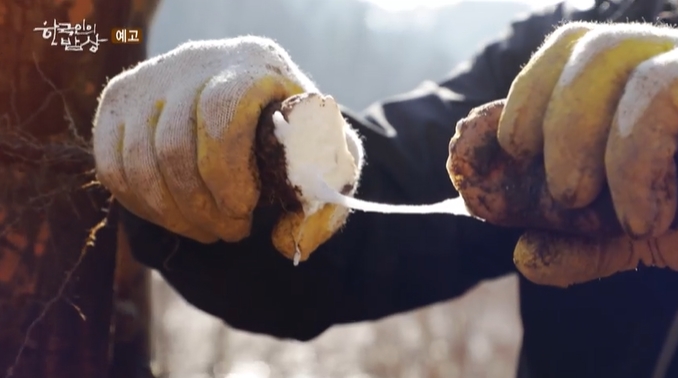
(596, 107)
(176, 141)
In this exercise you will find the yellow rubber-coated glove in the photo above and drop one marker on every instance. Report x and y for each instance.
(596, 107)
(174, 140)
(600, 102)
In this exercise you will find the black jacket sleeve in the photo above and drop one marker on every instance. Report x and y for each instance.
(378, 264)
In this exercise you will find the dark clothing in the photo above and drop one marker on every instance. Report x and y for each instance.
(380, 265)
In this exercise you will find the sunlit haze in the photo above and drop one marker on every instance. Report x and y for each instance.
(403, 5)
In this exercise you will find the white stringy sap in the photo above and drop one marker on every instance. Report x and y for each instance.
(453, 206)
(322, 192)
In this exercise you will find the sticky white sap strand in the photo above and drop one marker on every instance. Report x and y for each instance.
(454, 206)
(297, 255)
(322, 192)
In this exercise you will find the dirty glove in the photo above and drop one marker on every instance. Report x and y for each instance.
(176, 141)
(594, 108)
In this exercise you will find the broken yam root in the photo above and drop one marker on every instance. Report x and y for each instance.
(564, 246)
(297, 232)
(508, 192)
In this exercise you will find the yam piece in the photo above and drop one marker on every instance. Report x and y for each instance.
(508, 192)
(294, 232)
(564, 246)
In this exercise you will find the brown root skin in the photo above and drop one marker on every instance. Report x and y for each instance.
(271, 164)
(508, 192)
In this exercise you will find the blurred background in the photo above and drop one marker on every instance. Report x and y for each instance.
(359, 51)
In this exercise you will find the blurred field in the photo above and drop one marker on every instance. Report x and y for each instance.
(475, 336)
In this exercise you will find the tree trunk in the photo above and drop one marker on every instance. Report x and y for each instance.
(57, 249)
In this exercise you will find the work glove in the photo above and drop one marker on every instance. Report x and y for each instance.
(583, 147)
(187, 140)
